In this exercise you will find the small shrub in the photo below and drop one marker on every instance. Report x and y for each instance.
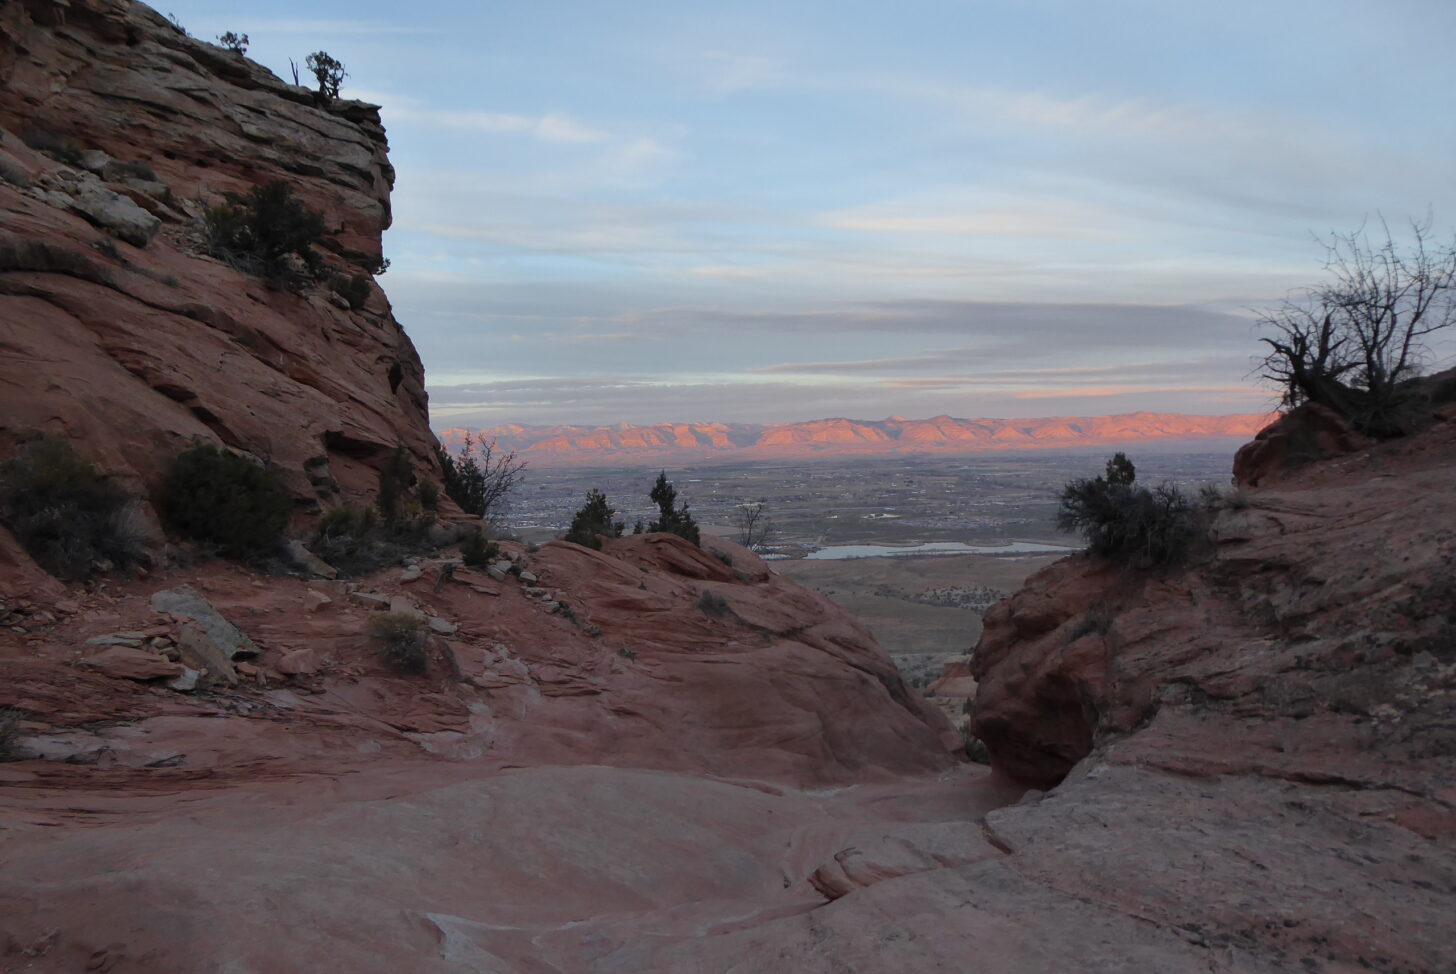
(976, 751)
(394, 478)
(1130, 524)
(347, 521)
(237, 43)
(713, 604)
(327, 71)
(428, 495)
(671, 517)
(220, 498)
(10, 749)
(400, 639)
(262, 231)
(626, 653)
(67, 515)
(593, 521)
(724, 557)
(476, 551)
(1213, 498)
(1097, 621)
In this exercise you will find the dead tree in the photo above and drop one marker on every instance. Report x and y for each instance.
(1352, 344)
(753, 525)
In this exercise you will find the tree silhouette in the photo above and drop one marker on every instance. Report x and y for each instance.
(671, 517)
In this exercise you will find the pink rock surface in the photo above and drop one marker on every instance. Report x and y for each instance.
(1244, 737)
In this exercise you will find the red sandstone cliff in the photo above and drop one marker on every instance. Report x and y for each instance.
(116, 331)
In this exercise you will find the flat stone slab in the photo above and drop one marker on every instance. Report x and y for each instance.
(130, 663)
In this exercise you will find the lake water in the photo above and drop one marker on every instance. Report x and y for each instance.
(840, 552)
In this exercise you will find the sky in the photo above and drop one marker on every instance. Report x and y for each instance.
(781, 211)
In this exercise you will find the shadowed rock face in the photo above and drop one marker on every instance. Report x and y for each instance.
(133, 346)
(1238, 740)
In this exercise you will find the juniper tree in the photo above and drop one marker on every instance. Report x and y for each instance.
(671, 517)
(593, 521)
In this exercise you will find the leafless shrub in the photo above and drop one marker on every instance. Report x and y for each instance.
(754, 526)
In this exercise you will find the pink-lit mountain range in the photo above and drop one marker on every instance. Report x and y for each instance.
(689, 442)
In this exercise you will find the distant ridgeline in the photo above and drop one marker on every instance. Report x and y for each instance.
(572, 445)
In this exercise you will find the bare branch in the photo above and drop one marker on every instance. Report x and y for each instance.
(1352, 343)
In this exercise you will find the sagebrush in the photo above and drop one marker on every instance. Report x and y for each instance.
(71, 518)
(357, 542)
(268, 232)
(400, 639)
(223, 499)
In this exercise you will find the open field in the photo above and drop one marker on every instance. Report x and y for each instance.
(910, 603)
(922, 609)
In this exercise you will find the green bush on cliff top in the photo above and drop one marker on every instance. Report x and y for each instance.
(1128, 523)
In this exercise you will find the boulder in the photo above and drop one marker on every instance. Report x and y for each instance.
(299, 662)
(185, 602)
(187, 682)
(1300, 437)
(114, 212)
(306, 560)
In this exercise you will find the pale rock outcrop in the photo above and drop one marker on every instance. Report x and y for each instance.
(185, 602)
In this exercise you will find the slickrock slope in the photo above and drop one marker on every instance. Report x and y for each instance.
(115, 331)
(685, 442)
(593, 764)
(1259, 751)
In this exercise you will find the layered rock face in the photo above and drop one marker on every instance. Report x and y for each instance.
(116, 331)
(1257, 751)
